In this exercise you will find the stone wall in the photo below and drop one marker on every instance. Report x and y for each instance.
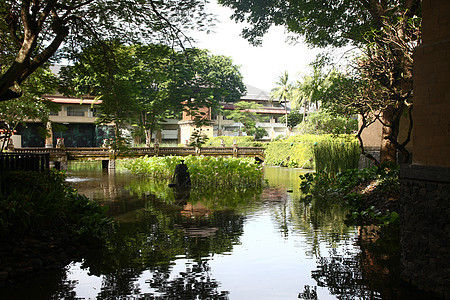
(425, 227)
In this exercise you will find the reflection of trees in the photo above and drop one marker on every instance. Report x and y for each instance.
(194, 283)
(341, 274)
(321, 221)
(372, 273)
(52, 285)
(160, 235)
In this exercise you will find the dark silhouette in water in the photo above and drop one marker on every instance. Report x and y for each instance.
(181, 177)
(181, 181)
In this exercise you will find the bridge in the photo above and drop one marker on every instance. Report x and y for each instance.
(59, 157)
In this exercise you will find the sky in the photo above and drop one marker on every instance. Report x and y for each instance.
(260, 66)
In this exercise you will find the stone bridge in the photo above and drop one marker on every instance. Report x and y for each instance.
(60, 156)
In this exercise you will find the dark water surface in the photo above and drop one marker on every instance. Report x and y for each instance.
(254, 244)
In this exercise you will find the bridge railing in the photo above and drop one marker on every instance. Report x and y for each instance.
(132, 151)
(25, 161)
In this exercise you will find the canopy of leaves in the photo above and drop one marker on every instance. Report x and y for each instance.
(321, 23)
(245, 113)
(32, 31)
(32, 106)
(145, 84)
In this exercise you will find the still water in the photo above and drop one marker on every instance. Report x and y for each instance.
(254, 244)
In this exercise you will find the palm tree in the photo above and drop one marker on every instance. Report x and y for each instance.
(283, 91)
(310, 90)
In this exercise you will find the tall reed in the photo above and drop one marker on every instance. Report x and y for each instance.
(335, 154)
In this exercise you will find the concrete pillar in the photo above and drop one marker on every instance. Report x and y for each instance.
(49, 137)
(111, 164)
(63, 163)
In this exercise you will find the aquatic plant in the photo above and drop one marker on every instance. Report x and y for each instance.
(353, 187)
(205, 171)
(336, 154)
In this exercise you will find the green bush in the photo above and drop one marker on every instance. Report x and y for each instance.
(301, 151)
(32, 201)
(341, 187)
(295, 151)
(324, 122)
(242, 141)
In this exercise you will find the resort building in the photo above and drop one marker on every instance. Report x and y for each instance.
(272, 110)
(75, 123)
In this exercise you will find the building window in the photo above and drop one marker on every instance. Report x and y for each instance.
(74, 111)
(53, 113)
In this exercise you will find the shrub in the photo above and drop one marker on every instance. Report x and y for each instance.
(344, 186)
(294, 151)
(242, 141)
(304, 151)
(32, 201)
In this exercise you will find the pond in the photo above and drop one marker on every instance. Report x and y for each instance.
(260, 243)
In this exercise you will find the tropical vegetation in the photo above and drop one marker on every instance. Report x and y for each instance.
(143, 85)
(205, 172)
(308, 151)
(36, 32)
(364, 191)
(378, 83)
(32, 202)
(246, 113)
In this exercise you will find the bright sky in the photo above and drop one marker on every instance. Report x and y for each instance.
(261, 66)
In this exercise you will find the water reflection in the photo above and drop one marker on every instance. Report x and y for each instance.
(239, 244)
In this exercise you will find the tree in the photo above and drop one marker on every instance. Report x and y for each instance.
(293, 119)
(204, 80)
(32, 106)
(245, 113)
(145, 84)
(311, 89)
(283, 92)
(385, 31)
(33, 31)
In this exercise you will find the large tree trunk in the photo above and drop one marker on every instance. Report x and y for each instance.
(389, 135)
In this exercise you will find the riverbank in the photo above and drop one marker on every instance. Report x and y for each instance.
(45, 224)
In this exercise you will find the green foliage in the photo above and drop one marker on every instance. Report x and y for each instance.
(341, 188)
(31, 106)
(205, 172)
(245, 113)
(197, 139)
(298, 151)
(143, 85)
(32, 201)
(325, 122)
(334, 23)
(119, 20)
(241, 141)
(290, 154)
(336, 154)
(294, 118)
